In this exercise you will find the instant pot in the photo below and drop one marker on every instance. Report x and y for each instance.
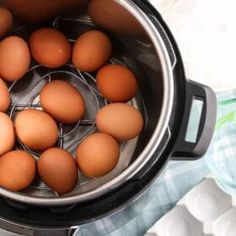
(179, 113)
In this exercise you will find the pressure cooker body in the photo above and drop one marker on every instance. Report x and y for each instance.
(166, 99)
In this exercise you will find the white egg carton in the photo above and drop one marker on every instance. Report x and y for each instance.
(205, 211)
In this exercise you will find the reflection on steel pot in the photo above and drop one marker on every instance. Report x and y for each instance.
(179, 114)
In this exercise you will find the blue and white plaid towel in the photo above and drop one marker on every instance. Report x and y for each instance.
(178, 179)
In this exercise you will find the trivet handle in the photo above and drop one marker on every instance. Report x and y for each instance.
(197, 124)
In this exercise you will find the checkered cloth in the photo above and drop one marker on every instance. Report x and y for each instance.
(173, 184)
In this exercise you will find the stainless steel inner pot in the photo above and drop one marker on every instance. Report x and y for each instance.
(138, 45)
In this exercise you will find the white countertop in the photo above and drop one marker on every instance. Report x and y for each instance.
(205, 31)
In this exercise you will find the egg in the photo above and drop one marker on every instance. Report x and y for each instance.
(114, 17)
(6, 20)
(58, 170)
(5, 99)
(116, 83)
(36, 129)
(91, 51)
(17, 170)
(7, 134)
(39, 10)
(62, 101)
(120, 120)
(14, 58)
(50, 47)
(97, 155)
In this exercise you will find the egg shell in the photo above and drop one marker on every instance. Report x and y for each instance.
(17, 170)
(39, 10)
(91, 51)
(50, 47)
(116, 83)
(5, 99)
(62, 101)
(112, 16)
(36, 129)
(120, 120)
(97, 155)
(58, 169)
(6, 20)
(14, 58)
(7, 134)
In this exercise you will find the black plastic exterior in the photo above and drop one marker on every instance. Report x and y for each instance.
(185, 150)
(124, 195)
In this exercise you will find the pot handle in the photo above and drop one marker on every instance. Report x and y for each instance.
(198, 122)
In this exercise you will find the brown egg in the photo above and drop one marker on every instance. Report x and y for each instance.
(57, 168)
(39, 10)
(62, 101)
(91, 51)
(116, 83)
(5, 99)
(50, 47)
(97, 155)
(6, 20)
(14, 58)
(7, 135)
(36, 129)
(112, 16)
(17, 170)
(120, 120)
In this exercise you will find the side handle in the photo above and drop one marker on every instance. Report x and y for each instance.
(198, 122)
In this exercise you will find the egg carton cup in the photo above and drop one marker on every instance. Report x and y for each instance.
(206, 210)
